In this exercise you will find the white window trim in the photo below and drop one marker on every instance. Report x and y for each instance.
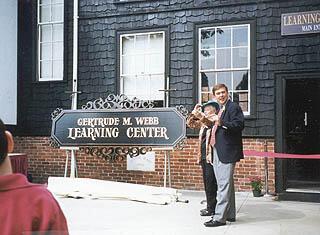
(52, 42)
(145, 74)
(200, 92)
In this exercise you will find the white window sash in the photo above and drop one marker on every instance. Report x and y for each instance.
(248, 68)
(148, 53)
(51, 42)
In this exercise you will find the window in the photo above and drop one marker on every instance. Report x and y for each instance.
(50, 40)
(142, 66)
(224, 57)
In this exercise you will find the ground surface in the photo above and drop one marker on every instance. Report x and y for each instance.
(262, 216)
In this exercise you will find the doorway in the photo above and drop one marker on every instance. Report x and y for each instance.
(301, 129)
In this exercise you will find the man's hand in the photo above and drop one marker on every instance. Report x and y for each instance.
(218, 122)
(209, 159)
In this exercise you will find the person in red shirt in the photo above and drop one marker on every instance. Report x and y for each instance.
(26, 209)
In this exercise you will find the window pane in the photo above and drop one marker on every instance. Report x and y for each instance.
(46, 69)
(240, 80)
(144, 60)
(240, 57)
(51, 48)
(45, 13)
(224, 78)
(223, 58)
(205, 97)
(45, 51)
(57, 50)
(240, 36)
(242, 99)
(224, 37)
(45, 33)
(129, 86)
(207, 39)
(156, 84)
(207, 59)
(156, 42)
(57, 12)
(208, 80)
(139, 64)
(142, 87)
(224, 54)
(57, 32)
(155, 63)
(141, 43)
(44, 1)
(127, 44)
(57, 69)
(127, 64)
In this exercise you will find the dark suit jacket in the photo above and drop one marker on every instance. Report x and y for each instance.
(229, 135)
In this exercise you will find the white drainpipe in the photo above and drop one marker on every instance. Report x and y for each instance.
(74, 79)
(75, 56)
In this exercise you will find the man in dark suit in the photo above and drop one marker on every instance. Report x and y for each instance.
(226, 140)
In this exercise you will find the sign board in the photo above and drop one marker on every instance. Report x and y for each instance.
(143, 162)
(300, 23)
(156, 127)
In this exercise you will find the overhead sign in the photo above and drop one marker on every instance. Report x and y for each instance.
(300, 23)
(157, 127)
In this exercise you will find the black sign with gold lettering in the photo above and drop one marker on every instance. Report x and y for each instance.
(158, 127)
(300, 23)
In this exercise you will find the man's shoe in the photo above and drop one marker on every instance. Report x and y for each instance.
(213, 223)
(206, 212)
(231, 220)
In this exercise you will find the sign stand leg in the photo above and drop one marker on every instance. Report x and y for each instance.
(165, 170)
(66, 165)
(169, 168)
(76, 167)
(73, 165)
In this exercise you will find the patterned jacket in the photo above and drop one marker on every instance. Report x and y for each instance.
(195, 123)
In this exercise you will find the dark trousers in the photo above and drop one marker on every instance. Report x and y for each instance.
(210, 185)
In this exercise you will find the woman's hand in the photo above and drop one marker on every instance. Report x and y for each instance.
(197, 107)
(199, 159)
(198, 114)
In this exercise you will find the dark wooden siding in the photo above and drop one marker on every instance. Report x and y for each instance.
(101, 21)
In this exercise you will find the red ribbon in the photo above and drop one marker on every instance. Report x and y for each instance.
(255, 153)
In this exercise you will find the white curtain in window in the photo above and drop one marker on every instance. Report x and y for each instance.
(142, 66)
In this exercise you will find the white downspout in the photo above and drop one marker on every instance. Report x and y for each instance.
(75, 56)
(74, 78)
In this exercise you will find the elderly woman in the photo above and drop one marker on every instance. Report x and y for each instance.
(207, 111)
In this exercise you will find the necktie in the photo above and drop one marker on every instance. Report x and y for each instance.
(214, 129)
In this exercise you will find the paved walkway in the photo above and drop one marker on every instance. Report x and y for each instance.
(258, 216)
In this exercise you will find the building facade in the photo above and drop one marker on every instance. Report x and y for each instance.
(140, 47)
